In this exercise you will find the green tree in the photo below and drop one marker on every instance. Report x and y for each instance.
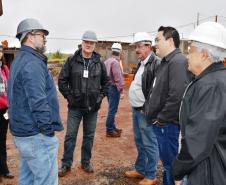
(58, 55)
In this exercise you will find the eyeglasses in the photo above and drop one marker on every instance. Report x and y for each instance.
(42, 35)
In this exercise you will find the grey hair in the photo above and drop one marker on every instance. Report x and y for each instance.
(216, 54)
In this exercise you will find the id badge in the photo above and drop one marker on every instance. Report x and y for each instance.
(6, 115)
(2, 87)
(85, 74)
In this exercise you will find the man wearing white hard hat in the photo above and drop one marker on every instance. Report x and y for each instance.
(83, 82)
(116, 85)
(203, 115)
(144, 137)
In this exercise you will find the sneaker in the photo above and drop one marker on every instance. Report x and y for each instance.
(87, 168)
(113, 134)
(64, 170)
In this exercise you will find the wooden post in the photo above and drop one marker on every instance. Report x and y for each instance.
(216, 18)
(1, 8)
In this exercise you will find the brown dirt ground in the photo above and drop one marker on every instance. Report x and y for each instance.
(111, 156)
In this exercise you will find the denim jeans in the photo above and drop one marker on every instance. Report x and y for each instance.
(38, 160)
(146, 144)
(184, 181)
(89, 126)
(167, 136)
(113, 102)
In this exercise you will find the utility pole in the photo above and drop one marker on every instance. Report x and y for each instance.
(216, 18)
(197, 19)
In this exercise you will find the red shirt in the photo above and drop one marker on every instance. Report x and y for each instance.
(3, 98)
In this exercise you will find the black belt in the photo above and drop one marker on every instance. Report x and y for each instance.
(138, 108)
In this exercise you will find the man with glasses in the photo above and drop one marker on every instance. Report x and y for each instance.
(144, 137)
(165, 96)
(202, 157)
(83, 82)
(33, 107)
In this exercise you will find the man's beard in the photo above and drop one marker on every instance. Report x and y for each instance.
(41, 49)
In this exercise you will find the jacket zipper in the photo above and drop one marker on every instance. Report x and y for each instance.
(181, 103)
(86, 80)
(209, 172)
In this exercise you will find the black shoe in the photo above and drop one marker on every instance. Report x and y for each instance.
(113, 134)
(87, 168)
(8, 176)
(64, 170)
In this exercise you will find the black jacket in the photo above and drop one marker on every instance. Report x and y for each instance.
(203, 128)
(167, 90)
(83, 93)
(149, 73)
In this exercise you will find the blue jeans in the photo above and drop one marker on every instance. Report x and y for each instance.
(146, 144)
(184, 181)
(167, 136)
(38, 160)
(89, 126)
(113, 102)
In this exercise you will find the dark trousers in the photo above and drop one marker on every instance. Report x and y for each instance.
(3, 133)
(89, 127)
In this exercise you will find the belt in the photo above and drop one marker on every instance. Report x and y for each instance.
(160, 124)
(163, 124)
(138, 108)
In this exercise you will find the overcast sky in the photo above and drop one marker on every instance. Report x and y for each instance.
(110, 19)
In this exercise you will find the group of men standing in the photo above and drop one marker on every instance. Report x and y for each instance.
(155, 95)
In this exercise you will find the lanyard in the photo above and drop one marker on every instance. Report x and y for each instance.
(86, 67)
(86, 64)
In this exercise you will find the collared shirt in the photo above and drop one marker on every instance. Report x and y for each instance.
(115, 74)
(136, 96)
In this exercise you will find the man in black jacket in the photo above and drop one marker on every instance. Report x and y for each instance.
(165, 96)
(144, 137)
(202, 157)
(83, 82)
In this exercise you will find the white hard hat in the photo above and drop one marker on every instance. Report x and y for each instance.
(89, 36)
(211, 33)
(117, 47)
(29, 25)
(143, 37)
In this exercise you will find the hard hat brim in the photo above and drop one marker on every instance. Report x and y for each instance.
(46, 32)
(142, 42)
(91, 40)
